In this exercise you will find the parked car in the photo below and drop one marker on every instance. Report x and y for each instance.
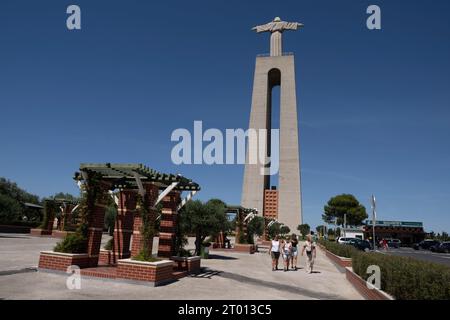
(433, 248)
(394, 243)
(359, 244)
(425, 244)
(444, 247)
(343, 240)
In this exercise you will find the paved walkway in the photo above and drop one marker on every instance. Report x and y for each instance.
(225, 276)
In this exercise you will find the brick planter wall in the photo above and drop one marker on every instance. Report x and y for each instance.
(14, 229)
(245, 248)
(361, 285)
(155, 273)
(107, 257)
(190, 264)
(340, 261)
(40, 232)
(60, 261)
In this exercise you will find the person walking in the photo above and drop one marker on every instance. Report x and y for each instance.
(294, 255)
(385, 245)
(274, 252)
(286, 249)
(310, 249)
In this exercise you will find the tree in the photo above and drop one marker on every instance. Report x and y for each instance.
(343, 204)
(304, 229)
(274, 230)
(284, 230)
(110, 218)
(12, 200)
(255, 228)
(65, 196)
(10, 209)
(203, 220)
(321, 229)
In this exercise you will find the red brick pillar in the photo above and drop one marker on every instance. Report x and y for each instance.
(239, 226)
(95, 229)
(168, 224)
(220, 240)
(50, 217)
(123, 228)
(66, 217)
(51, 221)
(151, 194)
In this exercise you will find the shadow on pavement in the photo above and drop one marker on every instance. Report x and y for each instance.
(219, 257)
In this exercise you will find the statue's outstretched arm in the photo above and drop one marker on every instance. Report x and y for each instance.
(263, 28)
(292, 25)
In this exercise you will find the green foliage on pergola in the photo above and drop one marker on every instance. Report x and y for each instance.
(123, 176)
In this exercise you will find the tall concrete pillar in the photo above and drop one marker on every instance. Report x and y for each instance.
(278, 69)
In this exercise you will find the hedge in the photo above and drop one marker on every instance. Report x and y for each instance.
(406, 278)
(402, 277)
(345, 251)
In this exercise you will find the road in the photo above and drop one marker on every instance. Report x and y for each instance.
(426, 255)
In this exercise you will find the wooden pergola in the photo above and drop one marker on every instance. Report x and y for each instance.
(125, 183)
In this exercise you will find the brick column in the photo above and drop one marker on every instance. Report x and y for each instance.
(123, 228)
(66, 216)
(151, 194)
(168, 224)
(220, 240)
(50, 217)
(95, 229)
(51, 221)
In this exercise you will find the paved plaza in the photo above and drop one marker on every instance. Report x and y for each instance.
(225, 275)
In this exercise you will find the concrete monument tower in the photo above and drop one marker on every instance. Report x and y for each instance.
(275, 70)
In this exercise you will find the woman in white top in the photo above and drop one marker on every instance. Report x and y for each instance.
(275, 252)
(310, 249)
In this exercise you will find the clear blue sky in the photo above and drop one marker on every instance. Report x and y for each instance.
(374, 106)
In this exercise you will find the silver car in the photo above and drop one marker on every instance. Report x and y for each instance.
(343, 240)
